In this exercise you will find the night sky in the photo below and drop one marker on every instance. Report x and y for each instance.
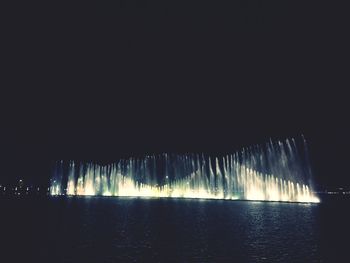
(124, 78)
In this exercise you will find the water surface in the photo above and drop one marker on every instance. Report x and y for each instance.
(106, 229)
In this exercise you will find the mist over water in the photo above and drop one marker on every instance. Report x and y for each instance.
(275, 171)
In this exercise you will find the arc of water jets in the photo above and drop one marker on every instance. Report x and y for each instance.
(273, 172)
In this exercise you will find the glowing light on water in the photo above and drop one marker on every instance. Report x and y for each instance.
(273, 172)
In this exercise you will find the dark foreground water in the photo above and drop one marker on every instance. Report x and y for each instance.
(168, 230)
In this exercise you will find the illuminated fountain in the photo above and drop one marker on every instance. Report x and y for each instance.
(276, 171)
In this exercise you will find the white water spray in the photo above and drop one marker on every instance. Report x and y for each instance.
(276, 171)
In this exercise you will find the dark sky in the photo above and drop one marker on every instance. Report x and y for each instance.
(100, 81)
